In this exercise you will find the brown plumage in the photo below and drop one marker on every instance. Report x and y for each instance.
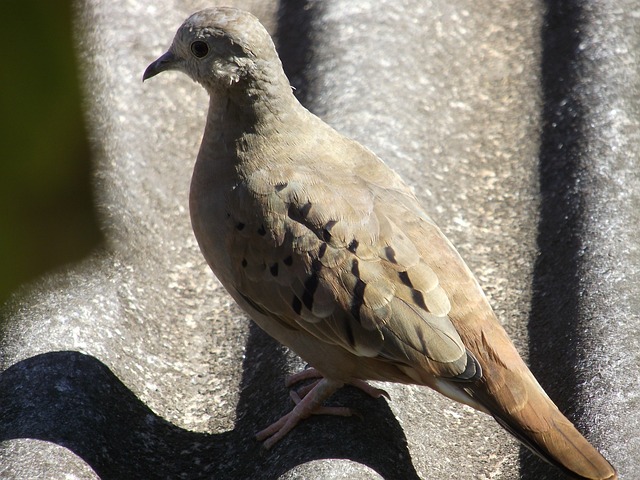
(331, 254)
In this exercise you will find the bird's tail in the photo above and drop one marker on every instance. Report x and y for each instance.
(520, 405)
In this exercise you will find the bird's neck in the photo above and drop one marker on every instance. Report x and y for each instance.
(263, 99)
(242, 119)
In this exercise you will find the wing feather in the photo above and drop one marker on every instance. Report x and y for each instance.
(339, 268)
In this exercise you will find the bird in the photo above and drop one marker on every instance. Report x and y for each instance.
(329, 251)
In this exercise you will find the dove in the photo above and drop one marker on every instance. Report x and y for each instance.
(329, 252)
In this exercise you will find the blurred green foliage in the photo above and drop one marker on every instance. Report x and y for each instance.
(46, 209)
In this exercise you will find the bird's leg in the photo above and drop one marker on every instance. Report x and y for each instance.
(302, 391)
(322, 410)
(310, 404)
(305, 374)
(309, 373)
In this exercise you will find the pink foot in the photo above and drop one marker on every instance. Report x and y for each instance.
(309, 401)
(309, 405)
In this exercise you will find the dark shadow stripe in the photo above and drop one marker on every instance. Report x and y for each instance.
(555, 311)
(294, 41)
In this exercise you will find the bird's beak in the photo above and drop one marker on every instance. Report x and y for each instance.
(167, 61)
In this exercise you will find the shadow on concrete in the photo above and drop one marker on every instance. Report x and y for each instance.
(76, 401)
(554, 323)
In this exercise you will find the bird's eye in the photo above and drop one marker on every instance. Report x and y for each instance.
(199, 48)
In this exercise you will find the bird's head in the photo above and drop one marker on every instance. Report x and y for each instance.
(219, 48)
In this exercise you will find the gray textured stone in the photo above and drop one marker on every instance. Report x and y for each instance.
(517, 123)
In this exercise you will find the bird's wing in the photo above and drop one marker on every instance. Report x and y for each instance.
(326, 252)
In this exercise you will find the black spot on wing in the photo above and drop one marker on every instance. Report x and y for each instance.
(404, 278)
(418, 299)
(244, 262)
(310, 287)
(274, 269)
(281, 186)
(355, 268)
(357, 300)
(311, 283)
(261, 231)
(316, 265)
(299, 214)
(326, 231)
(353, 246)
(416, 295)
(296, 304)
(288, 261)
(390, 253)
(240, 226)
